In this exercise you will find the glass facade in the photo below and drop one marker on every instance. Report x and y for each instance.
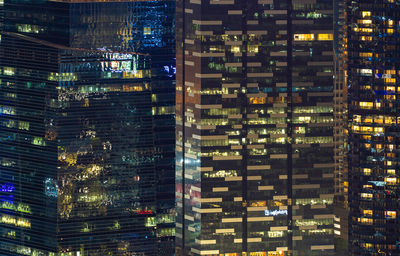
(255, 152)
(373, 81)
(89, 165)
(341, 208)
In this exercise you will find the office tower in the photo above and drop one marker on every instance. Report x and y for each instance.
(82, 171)
(255, 153)
(341, 208)
(373, 82)
(154, 26)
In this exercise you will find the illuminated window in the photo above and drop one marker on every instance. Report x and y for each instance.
(367, 22)
(390, 180)
(367, 212)
(366, 14)
(365, 54)
(363, 30)
(366, 221)
(235, 49)
(365, 72)
(366, 105)
(38, 141)
(366, 245)
(252, 48)
(9, 71)
(366, 128)
(366, 38)
(303, 37)
(390, 214)
(258, 253)
(147, 30)
(325, 37)
(366, 171)
(390, 80)
(366, 195)
(273, 234)
(258, 203)
(257, 100)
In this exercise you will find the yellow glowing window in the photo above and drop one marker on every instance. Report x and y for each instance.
(366, 105)
(366, 245)
(378, 120)
(235, 49)
(367, 145)
(252, 48)
(366, 221)
(391, 180)
(303, 37)
(390, 120)
(366, 195)
(364, 21)
(325, 37)
(391, 171)
(390, 22)
(378, 129)
(367, 212)
(364, 30)
(366, 38)
(391, 88)
(357, 118)
(366, 129)
(356, 128)
(365, 54)
(378, 146)
(368, 120)
(257, 100)
(147, 30)
(367, 171)
(366, 14)
(390, 80)
(390, 214)
(258, 253)
(258, 203)
(274, 234)
(390, 30)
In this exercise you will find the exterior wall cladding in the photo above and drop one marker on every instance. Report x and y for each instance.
(373, 76)
(255, 166)
(87, 128)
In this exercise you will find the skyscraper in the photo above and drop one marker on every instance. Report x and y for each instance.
(82, 154)
(255, 165)
(341, 208)
(373, 81)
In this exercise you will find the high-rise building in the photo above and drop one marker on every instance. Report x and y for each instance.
(255, 152)
(88, 167)
(341, 208)
(373, 40)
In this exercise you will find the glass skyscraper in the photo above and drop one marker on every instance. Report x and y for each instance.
(255, 152)
(373, 68)
(87, 128)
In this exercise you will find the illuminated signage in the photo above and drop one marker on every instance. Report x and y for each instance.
(275, 212)
(142, 212)
(119, 63)
(7, 187)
